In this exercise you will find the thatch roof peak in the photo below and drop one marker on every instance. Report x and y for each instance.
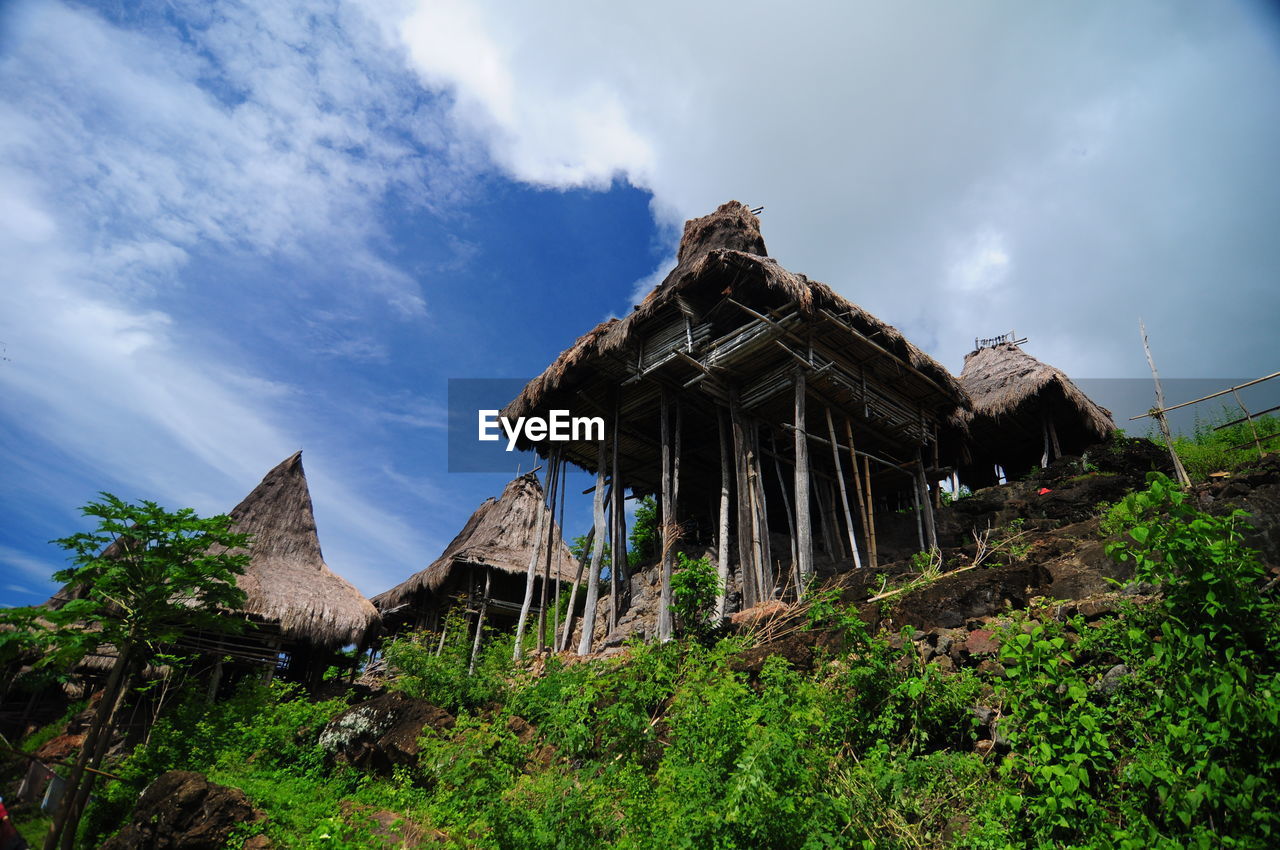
(1001, 378)
(287, 580)
(731, 226)
(501, 534)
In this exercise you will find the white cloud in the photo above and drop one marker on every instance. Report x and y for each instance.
(1109, 141)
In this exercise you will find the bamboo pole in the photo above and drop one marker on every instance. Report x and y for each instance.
(1249, 417)
(722, 528)
(765, 556)
(1159, 411)
(871, 513)
(742, 498)
(844, 493)
(930, 528)
(555, 607)
(556, 479)
(786, 504)
(668, 518)
(484, 609)
(618, 553)
(597, 557)
(804, 531)
(860, 500)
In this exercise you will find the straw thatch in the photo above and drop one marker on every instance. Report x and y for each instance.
(287, 581)
(1004, 378)
(500, 534)
(722, 254)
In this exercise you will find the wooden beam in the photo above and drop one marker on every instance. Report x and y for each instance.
(844, 493)
(746, 543)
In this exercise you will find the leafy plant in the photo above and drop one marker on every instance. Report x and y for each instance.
(644, 537)
(694, 588)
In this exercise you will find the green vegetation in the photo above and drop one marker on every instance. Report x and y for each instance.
(1156, 728)
(166, 573)
(694, 587)
(644, 537)
(1208, 449)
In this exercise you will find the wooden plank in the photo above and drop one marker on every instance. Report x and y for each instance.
(844, 493)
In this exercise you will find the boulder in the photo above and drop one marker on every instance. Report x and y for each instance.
(183, 809)
(382, 732)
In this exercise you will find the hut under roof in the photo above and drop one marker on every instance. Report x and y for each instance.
(728, 352)
(493, 549)
(300, 611)
(1025, 414)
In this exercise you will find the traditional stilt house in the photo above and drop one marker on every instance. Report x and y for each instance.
(1025, 413)
(759, 406)
(299, 612)
(483, 569)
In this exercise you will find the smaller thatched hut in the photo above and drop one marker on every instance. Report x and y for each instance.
(492, 551)
(1025, 414)
(299, 611)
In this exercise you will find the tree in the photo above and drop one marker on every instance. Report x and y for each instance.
(138, 581)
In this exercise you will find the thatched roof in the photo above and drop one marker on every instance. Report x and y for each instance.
(499, 534)
(287, 580)
(1001, 379)
(724, 254)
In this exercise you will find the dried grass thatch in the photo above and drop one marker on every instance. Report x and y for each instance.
(723, 253)
(1001, 379)
(500, 534)
(287, 581)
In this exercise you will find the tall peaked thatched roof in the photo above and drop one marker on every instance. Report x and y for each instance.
(500, 534)
(724, 253)
(1002, 378)
(287, 580)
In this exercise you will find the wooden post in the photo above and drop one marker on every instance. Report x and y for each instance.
(746, 543)
(722, 528)
(860, 500)
(528, 584)
(764, 557)
(844, 493)
(915, 494)
(484, 608)
(557, 481)
(555, 605)
(1158, 411)
(804, 531)
(668, 518)
(617, 546)
(930, 528)
(871, 514)
(1044, 427)
(786, 503)
(597, 557)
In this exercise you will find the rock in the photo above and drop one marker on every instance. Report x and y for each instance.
(182, 809)
(982, 642)
(1000, 728)
(945, 664)
(984, 747)
(382, 732)
(1096, 609)
(1113, 679)
(60, 748)
(984, 714)
(992, 668)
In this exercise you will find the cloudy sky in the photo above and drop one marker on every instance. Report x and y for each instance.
(232, 230)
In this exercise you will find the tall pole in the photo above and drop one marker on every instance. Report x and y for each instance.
(597, 556)
(804, 530)
(1183, 478)
(530, 579)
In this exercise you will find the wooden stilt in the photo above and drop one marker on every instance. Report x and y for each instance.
(804, 534)
(668, 520)
(1158, 411)
(1053, 439)
(915, 496)
(871, 514)
(930, 528)
(555, 604)
(722, 527)
(746, 540)
(844, 493)
(617, 548)
(556, 479)
(1044, 428)
(786, 505)
(860, 499)
(484, 608)
(529, 582)
(764, 551)
(597, 557)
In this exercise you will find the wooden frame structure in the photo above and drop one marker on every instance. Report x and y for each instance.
(734, 358)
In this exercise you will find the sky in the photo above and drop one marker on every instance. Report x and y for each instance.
(229, 231)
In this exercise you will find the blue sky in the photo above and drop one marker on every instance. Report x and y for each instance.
(232, 230)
